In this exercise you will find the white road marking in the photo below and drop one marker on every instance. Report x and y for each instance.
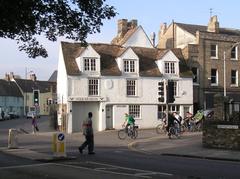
(132, 169)
(24, 166)
(104, 171)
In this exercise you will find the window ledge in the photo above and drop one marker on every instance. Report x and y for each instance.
(234, 85)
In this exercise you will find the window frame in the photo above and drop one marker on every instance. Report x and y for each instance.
(129, 66)
(215, 51)
(235, 50)
(236, 78)
(175, 88)
(94, 91)
(216, 77)
(196, 76)
(89, 64)
(174, 108)
(131, 89)
(135, 111)
(170, 67)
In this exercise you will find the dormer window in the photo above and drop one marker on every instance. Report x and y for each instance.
(170, 67)
(89, 64)
(129, 66)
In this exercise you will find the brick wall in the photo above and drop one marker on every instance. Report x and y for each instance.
(221, 134)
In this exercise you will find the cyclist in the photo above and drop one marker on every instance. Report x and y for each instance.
(178, 120)
(129, 120)
(170, 122)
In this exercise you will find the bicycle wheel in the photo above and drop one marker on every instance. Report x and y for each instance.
(171, 132)
(160, 129)
(122, 134)
(134, 134)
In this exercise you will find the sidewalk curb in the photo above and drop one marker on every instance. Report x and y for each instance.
(133, 147)
(33, 155)
(201, 157)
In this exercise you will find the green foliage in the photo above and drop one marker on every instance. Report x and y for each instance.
(24, 20)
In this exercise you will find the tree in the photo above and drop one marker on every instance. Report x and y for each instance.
(25, 20)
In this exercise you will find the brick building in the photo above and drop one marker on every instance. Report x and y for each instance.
(204, 48)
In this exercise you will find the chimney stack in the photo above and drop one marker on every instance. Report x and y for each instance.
(163, 29)
(124, 26)
(33, 77)
(213, 25)
(7, 77)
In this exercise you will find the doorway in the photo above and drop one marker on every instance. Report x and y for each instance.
(109, 119)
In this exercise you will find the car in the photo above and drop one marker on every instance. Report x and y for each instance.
(13, 115)
(31, 113)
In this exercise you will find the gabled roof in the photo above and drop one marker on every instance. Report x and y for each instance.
(70, 52)
(122, 40)
(53, 77)
(28, 86)
(191, 28)
(109, 52)
(147, 58)
(9, 88)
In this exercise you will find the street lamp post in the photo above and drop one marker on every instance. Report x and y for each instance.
(224, 74)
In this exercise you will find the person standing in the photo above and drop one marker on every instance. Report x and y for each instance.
(34, 124)
(88, 133)
(2, 114)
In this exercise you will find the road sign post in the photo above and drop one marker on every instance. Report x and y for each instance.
(59, 144)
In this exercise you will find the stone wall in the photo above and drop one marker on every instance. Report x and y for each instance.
(221, 134)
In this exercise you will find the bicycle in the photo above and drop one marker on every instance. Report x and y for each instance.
(174, 131)
(132, 132)
(161, 128)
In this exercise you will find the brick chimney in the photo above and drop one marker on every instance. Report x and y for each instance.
(12, 76)
(7, 77)
(163, 29)
(33, 77)
(124, 26)
(213, 25)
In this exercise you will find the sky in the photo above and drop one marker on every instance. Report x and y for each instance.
(149, 13)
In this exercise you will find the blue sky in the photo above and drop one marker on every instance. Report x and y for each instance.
(149, 13)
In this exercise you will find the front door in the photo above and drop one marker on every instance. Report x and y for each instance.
(109, 120)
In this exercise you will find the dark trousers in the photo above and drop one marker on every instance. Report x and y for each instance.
(88, 142)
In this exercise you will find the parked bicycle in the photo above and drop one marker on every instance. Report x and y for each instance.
(132, 132)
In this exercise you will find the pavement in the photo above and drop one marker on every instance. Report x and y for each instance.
(39, 146)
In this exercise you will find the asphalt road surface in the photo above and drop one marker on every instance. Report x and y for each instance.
(113, 163)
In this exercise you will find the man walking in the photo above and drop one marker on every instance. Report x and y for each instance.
(88, 133)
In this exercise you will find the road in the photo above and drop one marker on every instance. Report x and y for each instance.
(115, 161)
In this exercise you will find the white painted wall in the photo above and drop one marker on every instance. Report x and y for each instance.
(62, 81)
(138, 39)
